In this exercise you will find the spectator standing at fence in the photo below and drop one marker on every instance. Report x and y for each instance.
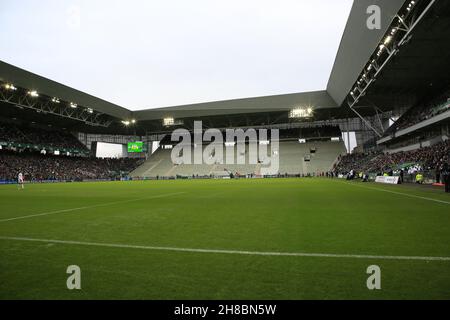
(446, 176)
(438, 174)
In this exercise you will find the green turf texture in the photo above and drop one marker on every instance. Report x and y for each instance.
(277, 215)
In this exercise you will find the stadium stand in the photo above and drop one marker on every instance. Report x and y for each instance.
(36, 138)
(32, 151)
(315, 156)
(38, 167)
(422, 112)
(423, 159)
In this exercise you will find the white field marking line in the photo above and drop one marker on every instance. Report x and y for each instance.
(90, 207)
(235, 252)
(399, 193)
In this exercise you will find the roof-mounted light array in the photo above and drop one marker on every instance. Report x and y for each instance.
(385, 46)
(300, 113)
(10, 87)
(44, 104)
(169, 121)
(411, 5)
(33, 93)
(128, 122)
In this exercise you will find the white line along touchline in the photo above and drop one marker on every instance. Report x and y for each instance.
(90, 207)
(399, 193)
(220, 251)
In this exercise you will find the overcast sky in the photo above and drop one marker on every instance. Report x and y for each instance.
(154, 53)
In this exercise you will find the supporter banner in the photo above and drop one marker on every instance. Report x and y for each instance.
(387, 180)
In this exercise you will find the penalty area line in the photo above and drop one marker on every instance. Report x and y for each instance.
(220, 251)
(89, 207)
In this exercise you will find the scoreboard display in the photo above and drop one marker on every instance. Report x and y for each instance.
(135, 147)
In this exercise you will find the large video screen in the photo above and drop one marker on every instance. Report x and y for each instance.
(135, 147)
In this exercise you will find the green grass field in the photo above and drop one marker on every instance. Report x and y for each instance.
(277, 216)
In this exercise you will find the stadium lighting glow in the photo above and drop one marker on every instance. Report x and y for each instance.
(133, 121)
(168, 121)
(33, 93)
(73, 105)
(387, 40)
(55, 100)
(300, 113)
(411, 4)
(126, 122)
(90, 110)
(9, 86)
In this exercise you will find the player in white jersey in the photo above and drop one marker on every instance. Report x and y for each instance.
(20, 181)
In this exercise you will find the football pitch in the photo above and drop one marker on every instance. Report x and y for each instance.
(224, 239)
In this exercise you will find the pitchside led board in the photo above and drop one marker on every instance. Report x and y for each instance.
(135, 147)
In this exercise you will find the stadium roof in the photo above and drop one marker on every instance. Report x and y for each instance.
(425, 58)
(419, 70)
(357, 45)
(286, 102)
(26, 79)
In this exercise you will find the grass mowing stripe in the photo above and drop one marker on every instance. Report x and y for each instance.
(221, 251)
(90, 207)
(399, 193)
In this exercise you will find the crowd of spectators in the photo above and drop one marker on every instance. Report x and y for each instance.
(39, 167)
(354, 161)
(420, 113)
(423, 159)
(54, 139)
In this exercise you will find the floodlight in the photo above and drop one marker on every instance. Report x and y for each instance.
(387, 40)
(33, 93)
(10, 86)
(168, 121)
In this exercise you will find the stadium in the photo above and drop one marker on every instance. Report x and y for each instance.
(335, 194)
